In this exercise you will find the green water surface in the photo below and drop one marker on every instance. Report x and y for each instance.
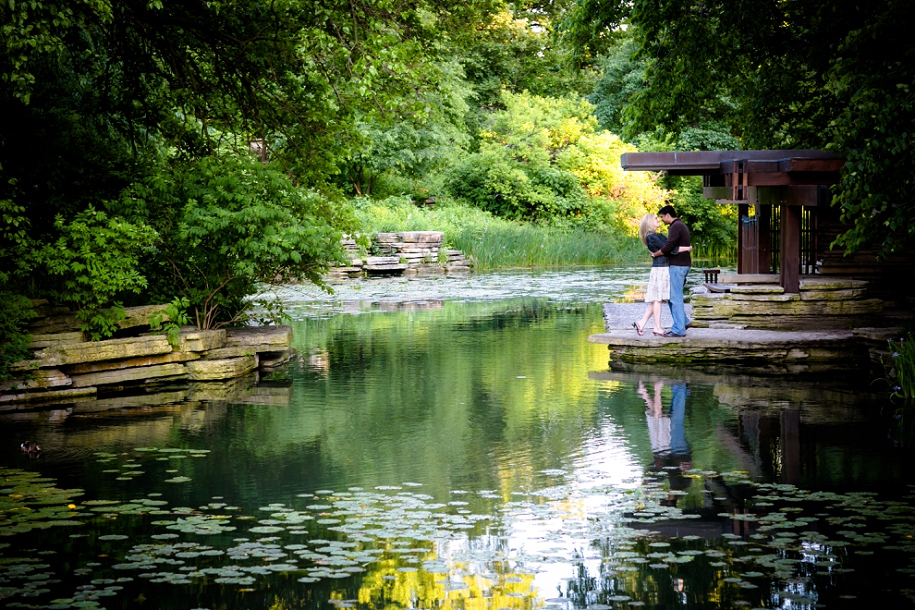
(449, 445)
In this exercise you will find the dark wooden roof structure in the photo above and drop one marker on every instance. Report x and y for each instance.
(783, 185)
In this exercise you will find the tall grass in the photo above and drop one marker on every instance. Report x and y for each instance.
(498, 243)
(713, 255)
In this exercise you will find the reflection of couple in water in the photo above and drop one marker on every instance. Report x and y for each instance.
(667, 433)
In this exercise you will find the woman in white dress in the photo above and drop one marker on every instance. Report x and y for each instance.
(658, 289)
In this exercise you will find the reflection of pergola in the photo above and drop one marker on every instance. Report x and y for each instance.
(785, 186)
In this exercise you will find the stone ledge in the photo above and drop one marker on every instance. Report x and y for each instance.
(110, 349)
(234, 351)
(53, 339)
(134, 317)
(757, 289)
(142, 373)
(218, 370)
(97, 367)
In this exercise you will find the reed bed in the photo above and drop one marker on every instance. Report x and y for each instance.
(496, 243)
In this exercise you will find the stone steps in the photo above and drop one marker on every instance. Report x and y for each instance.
(404, 253)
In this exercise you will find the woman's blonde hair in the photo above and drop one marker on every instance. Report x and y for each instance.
(649, 223)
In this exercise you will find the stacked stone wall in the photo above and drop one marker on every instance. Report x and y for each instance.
(404, 253)
(65, 367)
(822, 303)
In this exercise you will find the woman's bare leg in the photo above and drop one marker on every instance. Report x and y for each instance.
(649, 311)
(656, 312)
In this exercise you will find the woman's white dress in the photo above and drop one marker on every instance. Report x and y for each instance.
(658, 285)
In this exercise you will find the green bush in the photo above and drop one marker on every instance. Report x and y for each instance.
(495, 181)
(227, 228)
(97, 259)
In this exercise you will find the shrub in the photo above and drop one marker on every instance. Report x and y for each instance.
(228, 227)
(97, 258)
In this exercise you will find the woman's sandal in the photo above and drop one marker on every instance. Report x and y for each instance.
(654, 332)
(637, 328)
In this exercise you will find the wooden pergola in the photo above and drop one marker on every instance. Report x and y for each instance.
(785, 186)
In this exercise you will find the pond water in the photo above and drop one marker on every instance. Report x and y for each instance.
(457, 443)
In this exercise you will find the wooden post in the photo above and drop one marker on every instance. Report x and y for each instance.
(747, 240)
(764, 214)
(790, 259)
(740, 240)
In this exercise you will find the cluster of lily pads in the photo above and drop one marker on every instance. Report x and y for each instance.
(790, 536)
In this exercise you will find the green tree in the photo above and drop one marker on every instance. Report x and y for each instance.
(543, 158)
(95, 93)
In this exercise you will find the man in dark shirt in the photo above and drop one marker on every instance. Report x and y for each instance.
(677, 236)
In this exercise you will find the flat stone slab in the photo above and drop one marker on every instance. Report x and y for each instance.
(47, 340)
(235, 351)
(202, 340)
(880, 334)
(97, 367)
(748, 278)
(621, 316)
(851, 294)
(828, 283)
(423, 237)
(261, 338)
(141, 373)
(387, 268)
(726, 308)
(757, 289)
(219, 370)
(110, 349)
(728, 345)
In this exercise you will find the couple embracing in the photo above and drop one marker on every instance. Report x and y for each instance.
(670, 264)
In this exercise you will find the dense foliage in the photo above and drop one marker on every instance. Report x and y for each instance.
(543, 158)
(817, 74)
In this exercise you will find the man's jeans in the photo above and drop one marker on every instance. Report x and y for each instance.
(677, 281)
(678, 443)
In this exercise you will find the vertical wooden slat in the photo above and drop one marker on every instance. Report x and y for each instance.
(764, 239)
(790, 256)
(741, 239)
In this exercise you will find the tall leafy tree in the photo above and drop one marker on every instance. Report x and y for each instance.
(100, 96)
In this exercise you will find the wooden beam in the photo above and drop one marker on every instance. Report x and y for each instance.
(809, 195)
(790, 258)
(698, 163)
